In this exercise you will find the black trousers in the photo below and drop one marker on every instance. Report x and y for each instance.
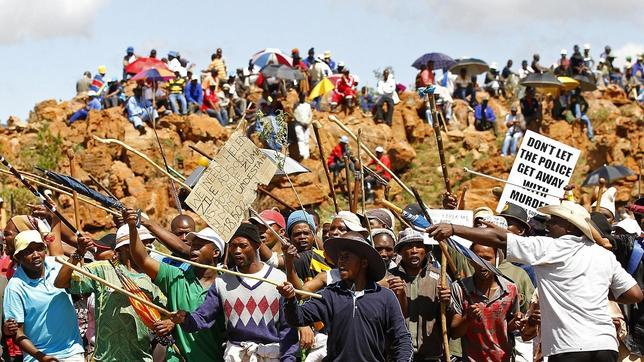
(588, 356)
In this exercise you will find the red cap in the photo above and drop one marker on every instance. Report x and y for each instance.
(271, 217)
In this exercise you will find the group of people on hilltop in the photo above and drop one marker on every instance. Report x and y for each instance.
(528, 111)
(555, 285)
(225, 95)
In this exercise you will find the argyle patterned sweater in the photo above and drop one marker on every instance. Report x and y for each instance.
(253, 311)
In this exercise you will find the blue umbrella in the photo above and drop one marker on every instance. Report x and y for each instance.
(83, 189)
(440, 60)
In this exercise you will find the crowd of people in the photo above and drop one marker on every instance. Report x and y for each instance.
(564, 285)
(556, 286)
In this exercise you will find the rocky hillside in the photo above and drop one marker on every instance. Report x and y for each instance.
(44, 139)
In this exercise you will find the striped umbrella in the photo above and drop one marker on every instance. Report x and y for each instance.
(270, 56)
(144, 63)
(154, 74)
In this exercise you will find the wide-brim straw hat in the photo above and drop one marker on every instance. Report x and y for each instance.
(357, 244)
(573, 213)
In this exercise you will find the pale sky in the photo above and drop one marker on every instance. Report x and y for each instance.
(47, 44)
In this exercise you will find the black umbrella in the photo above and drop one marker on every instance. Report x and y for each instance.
(281, 71)
(440, 60)
(607, 172)
(586, 84)
(472, 65)
(541, 80)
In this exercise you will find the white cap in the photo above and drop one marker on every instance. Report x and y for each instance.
(340, 64)
(564, 52)
(380, 149)
(494, 66)
(208, 234)
(344, 139)
(587, 46)
(608, 200)
(123, 235)
(351, 220)
(629, 225)
(195, 77)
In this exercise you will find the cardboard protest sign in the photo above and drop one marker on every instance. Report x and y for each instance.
(227, 188)
(542, 164)
(456, 217)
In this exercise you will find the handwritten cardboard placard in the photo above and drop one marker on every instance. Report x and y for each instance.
(544, 165)
(456, 217)
(228, 186)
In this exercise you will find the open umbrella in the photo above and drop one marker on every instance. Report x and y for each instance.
(609, 173)
(291, 166)
(568, 83)
(440, 60)
(154, 75)
(472, 65)
(334, 78)
(323, 87)
(281, 71)
(270, 56)
(541, 80)
(144, 63)
(585, 83)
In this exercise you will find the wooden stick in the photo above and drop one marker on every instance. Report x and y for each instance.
(348, 182)
(461, 200)
(72, 173)
(113, 286)
(439, 142)
(508, 182)
(143, 156)
(600, 192)
(373, 157)
(68, 193)
(362, 181)
(227, 271)
(316, 131)
(266, 192)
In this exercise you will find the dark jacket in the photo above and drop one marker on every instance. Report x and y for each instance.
(359, 330)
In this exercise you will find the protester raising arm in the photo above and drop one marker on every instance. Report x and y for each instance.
(63, 280)
(167, 238)
(137, 250)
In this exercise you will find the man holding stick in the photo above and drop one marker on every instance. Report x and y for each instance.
(255, 324)
(185, 289)
(362, 318)
(422, 293)
(120, 333)
(575, 277)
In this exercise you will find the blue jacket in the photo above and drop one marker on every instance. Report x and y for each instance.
(194, 93)
(489, 113)
(366, 328)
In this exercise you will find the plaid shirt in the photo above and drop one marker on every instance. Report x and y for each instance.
(487, 339)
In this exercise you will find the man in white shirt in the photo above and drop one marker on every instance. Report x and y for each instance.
(387, 91)
(303, 117)
(575, 276)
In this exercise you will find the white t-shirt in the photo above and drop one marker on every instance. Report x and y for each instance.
(574, 276)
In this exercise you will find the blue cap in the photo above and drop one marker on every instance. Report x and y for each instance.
(172, 53)
(130, 49)
(298, 217)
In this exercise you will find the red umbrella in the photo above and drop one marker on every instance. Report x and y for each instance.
(142, 64)
(335, 78)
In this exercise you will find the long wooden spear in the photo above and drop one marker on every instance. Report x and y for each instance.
(113, 286)
(232, 272)
(143, 156)
(72, 173)
(439, 141)
(316, 131)
(362, 181)
(373, 157)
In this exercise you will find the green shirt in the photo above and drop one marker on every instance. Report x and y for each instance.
(120, 333)
(185, 292)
